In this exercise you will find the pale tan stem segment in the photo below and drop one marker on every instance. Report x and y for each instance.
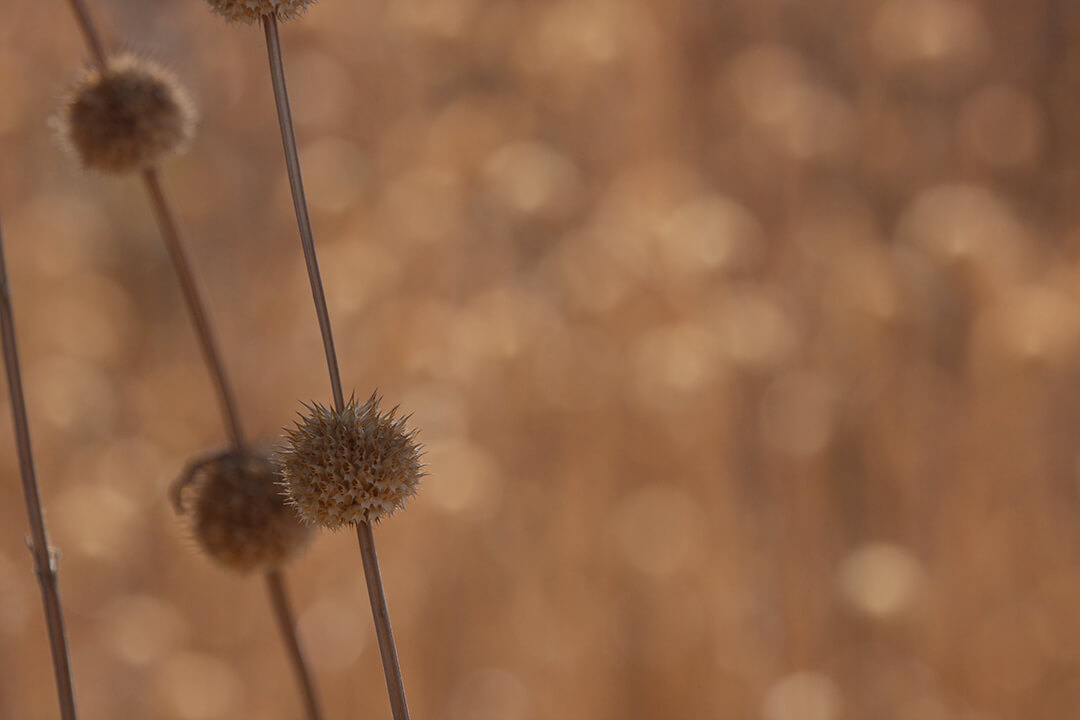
(44, 566)
(279, 597)
(391, 669)
(303, 218)
(387, 648)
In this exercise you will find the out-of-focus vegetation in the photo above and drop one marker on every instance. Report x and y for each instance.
(744, 337)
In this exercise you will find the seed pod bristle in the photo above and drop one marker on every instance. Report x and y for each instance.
(356, 465)
(127, 116)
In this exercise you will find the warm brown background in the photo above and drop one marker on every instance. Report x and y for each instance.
(744, 337)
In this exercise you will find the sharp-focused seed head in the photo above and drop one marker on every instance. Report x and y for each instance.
(126, 117)
(253, 11)
(240, 516)
(350, 466)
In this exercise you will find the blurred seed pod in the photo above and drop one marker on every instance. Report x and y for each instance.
(239, 515)
(357, 465)
(253, 11)
(126, 117)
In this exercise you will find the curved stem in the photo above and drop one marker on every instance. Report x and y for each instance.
(279, 598)
(303, 218)
(44, 564)
(195, 305)
(391, 669)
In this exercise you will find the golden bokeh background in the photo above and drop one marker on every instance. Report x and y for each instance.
(744, 338)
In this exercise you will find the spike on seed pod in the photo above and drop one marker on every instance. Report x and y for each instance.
(240, 516)
(357, 465)
(253, 11)
(127, 116)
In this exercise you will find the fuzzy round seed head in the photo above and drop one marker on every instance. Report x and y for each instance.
(253, 11)
(242, 519)
(350, 466)
(126, 117)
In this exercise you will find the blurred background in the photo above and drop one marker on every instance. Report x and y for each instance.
(743, 336)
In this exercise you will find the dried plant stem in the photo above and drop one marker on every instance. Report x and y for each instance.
(279, 597)
(195, 305)
(387, 649)
(275, 581)
(303, 218)
(90, 33)
(44, 565)
(212, 357)
(387, 646)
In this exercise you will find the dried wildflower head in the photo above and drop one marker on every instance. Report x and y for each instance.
(240, 516)
(127, 116)
(252, 11)
(350, 466)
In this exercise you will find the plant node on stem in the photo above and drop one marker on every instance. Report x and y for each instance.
(44, 557)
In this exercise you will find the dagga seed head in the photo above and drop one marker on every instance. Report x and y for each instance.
(240, 516)
(350, 466)
(126, 117)
(253, 11)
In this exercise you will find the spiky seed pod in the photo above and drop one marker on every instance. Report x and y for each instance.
(241, 517)
(253, 11)
(126, 117)
(350, 466)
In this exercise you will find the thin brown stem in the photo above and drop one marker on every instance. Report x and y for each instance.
(388, 651)
(44, 565)
(196, 307)
(90, 33)
(303, 218)
(381, 615)
(279, 598)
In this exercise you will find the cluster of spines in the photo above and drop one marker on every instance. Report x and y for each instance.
(350, 466)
